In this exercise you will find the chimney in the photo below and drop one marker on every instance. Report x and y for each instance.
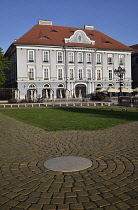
(89, 27)
(45, 22)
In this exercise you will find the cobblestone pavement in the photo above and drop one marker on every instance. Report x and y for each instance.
(110, 183)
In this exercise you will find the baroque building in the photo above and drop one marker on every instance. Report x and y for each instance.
(56, 62)
(134, 65)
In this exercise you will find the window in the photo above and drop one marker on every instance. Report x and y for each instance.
(46, 73)
(80, 74)
(31, 55)
(110, 58)
(98, 58)
(89, 74)
(45, 56)
(71, 74)
(88, 57)
(110, 74)
(98, 74)
(60, 57)
(121, 59)
(71, 57)
(60, 74)
(31, 73)
(80, 57)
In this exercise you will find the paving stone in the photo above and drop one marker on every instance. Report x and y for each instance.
(63, 207)
(70, 200)
(122, 205)
(111, 182)
(35, 207)
(57, 200)
(23, 205)
(89, 205)
(76, 206)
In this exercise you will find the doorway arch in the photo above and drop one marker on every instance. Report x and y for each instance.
(80, 89)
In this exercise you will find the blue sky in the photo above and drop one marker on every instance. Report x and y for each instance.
(117, 18)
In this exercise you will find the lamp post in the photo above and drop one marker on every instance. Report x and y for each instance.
(120, 73)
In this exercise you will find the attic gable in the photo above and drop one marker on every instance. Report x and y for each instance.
(79, 36)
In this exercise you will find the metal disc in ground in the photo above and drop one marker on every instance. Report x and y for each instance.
(68, 163)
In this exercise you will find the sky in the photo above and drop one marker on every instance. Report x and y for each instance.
(116, 18)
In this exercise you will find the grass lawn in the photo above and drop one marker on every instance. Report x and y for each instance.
(53, 119)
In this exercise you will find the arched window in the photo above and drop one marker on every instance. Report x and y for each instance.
(60, 86)
(32, 86)
(99, 85)
(110, 85)
(46, 86)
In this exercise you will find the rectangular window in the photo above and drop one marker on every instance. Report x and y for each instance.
(121, 59)
(80, 57)
(31, 55)
(110, 58)
(45, 56)
(46, 73)
(110, 74)
(71, 74)
(98, 58)
(71, 57)
(89, 73)
(60, 57)
(60, 74)
(88, 58)
(80, 74)
(31, 73)
(98, 74)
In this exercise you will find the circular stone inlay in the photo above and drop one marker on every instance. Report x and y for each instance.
(68, 163)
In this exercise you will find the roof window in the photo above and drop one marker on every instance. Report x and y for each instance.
(44, 37)
(108, 42)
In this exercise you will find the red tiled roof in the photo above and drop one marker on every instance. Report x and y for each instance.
(54, 35)
(135, 47)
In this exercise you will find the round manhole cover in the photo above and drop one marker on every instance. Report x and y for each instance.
(68, 163)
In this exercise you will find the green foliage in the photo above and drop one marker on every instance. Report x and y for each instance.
(52, 119)
(4, 65)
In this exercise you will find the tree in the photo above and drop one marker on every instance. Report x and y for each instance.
(4, 65)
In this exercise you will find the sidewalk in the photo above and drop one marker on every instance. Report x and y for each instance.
(110, 183)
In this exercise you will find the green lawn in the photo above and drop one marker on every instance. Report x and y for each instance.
(53, 119)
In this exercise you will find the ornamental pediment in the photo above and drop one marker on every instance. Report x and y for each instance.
(79, 36)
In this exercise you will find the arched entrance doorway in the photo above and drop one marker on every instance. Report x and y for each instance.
(46, 92)
(61, 93)
(80, 89)
(32, 93)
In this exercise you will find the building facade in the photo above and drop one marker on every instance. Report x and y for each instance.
(134, 66)
(56, 62)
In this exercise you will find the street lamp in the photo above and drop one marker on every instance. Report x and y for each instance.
(120, 73)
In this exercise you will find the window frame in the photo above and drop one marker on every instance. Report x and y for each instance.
(31, 74)
(110, 72)
(45, 56)
(90, 71)
(31, 59)
(80, 73)
(88, 57)
(60, 74)
(80, 57)
(123, 59)
(60, 57)
(71, 73)
(71, 57)
(98, 58)
(110, 58)
(97, 77)
(44, 73)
